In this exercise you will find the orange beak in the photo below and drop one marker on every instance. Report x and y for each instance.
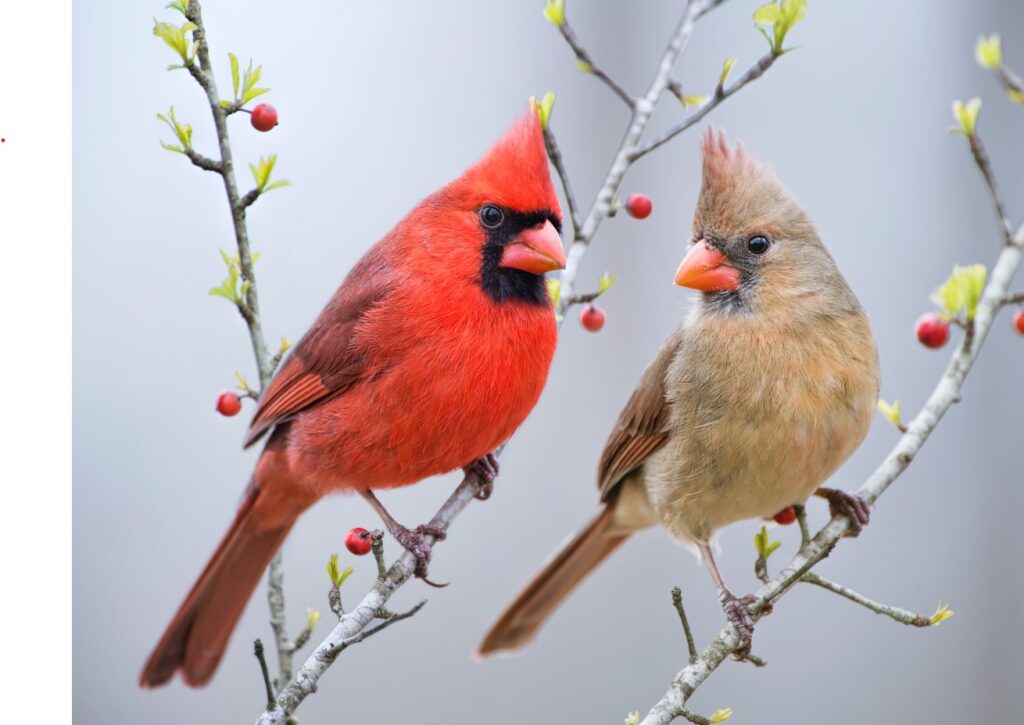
(706, 269)
(536, 250)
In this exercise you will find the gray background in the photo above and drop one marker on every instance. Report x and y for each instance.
(382, 103)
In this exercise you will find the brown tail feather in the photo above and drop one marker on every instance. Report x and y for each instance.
(196, 638)
(521, 621)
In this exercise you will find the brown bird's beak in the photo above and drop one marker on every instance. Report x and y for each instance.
(536, 250)
(706, 269)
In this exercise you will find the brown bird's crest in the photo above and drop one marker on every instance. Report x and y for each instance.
(737, 191)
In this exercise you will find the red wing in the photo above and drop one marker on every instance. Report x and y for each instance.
(642, 427)
(325, 362)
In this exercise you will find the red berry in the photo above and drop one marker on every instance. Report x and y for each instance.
(786, 516)
(1018, 321)
(592, 318)
(932, 330)
(263, 117)
(639, 206)
(358, 541)
(228, 404)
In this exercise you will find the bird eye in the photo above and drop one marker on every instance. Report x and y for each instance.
(492, 216)
(758, 245)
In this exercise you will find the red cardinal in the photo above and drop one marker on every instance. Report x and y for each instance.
(431, 353)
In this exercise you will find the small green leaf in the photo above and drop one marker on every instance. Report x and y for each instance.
(554, 11)
(768, 14)
(584, 66)
(285, 345)
(234, 73)
(1015, 95)
(175, 37)
(169, 147)
(966, 114)
(605, 283)
(694, 100)
(249, 80)
(554, 290)
(253, 93)
(891, 412)
(989, 52)
(720, 715)
(544, 107)
(633, 718)
(941, 615)
(763, 545)
(335, 573)
(225, 291)
(261, 172)
(726, 70)
(182, 131)
(180, 5)
(961, 292)
(312, 617)
(241, 383)
(276, 185)
(781, 17)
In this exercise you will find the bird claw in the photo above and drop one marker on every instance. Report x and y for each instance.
(850, 505)
(486, 468)
(415, 542)
(737, 611)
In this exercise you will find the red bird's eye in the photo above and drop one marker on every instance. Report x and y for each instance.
(491, 216)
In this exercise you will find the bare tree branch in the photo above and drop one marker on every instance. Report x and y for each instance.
(902, 616)
(985, 167)
(753, 73)
(585, 63)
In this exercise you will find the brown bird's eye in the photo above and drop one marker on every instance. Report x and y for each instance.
(758, 245)
(492, 216)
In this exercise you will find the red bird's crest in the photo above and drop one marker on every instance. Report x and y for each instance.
(514, 172)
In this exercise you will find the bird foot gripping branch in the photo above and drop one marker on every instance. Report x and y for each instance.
(849, 505)
(737, 610)
(486, 469)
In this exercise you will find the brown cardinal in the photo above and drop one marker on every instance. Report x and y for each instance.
(430, 354)
(765, 389)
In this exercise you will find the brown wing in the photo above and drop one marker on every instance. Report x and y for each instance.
(642, 427)
(325, 362)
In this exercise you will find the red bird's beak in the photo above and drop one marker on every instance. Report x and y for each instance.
(536, 250)
(706, 269)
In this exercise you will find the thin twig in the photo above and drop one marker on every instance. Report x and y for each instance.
(1014, 299)
(555, 155)
(902, 616)
(1010, 80)
(753, 73)
(367, 633)
(985, 167)
(694, 717)
(257, 648)
(204, 162)
(946, 391)
(586, 63)
(677, 602)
